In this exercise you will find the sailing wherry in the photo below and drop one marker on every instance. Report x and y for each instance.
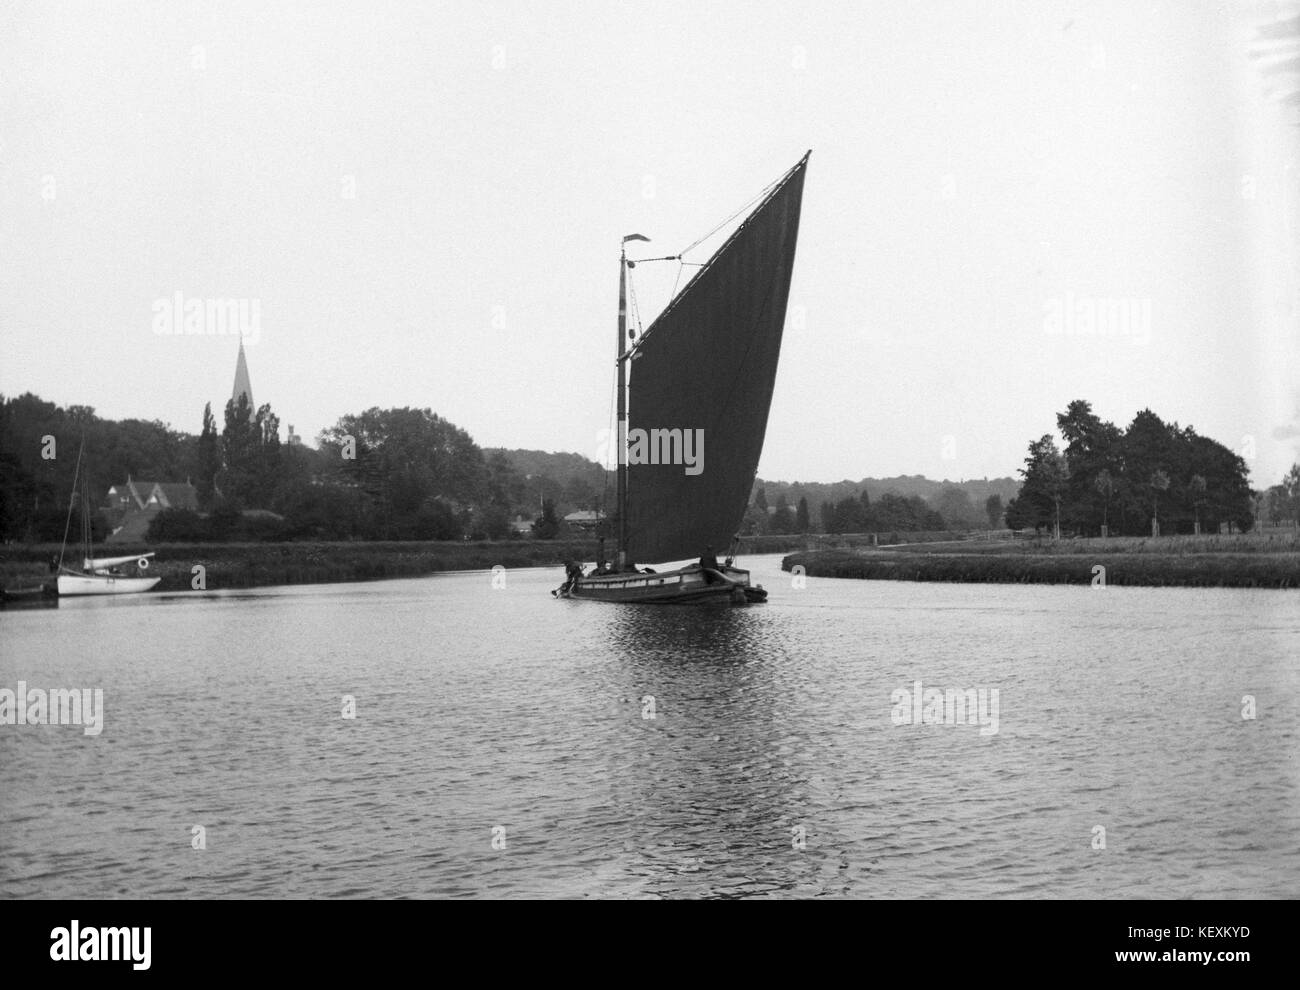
(705, 368)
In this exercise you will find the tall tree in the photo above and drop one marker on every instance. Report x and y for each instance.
(993, 509)
(409, 465)
(1038, 502)
(826, 511)
(1091, 446)
(547, 525)
(848, 516)
(1196, 486)
(1158, 483)
(955, 507)
(209, 459)
(1104, 483)
(782, 519)
(239, 441)
(1290, 492)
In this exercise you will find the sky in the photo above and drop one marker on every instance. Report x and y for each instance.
(1009, 205)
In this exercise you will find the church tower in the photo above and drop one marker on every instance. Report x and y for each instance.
(242, 384)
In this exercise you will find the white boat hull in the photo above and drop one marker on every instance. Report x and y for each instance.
(76, 584)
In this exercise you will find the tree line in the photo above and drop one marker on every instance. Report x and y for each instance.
(409, 474)
(382, 474)
(1150, 478)
(890, 512)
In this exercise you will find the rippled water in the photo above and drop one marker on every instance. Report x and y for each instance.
(482, 709)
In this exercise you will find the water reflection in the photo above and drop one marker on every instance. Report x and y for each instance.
(715, 775)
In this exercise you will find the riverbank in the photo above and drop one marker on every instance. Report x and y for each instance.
(1251, 560)
(256, 565)
(787, 542)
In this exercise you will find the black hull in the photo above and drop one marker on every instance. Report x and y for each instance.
(685, 586)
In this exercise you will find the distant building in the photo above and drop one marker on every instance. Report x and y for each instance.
(294, 439)
(584, 520)
(132, 506)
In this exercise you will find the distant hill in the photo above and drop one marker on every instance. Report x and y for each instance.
(573, 481)
(977, 490)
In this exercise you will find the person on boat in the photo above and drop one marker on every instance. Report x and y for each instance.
(572, 571)
(709, 564)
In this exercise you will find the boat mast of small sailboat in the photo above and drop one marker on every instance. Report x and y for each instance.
(72, 501)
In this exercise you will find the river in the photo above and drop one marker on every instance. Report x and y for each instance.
(508, 744)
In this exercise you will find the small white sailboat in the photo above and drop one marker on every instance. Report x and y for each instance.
(102, 575)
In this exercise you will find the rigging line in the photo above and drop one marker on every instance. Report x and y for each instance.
(766, 196)
(76, 473)
(679, 257)
(748, 203)
(681, 265)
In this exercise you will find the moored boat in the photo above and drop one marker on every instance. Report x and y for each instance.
(103, 584)
(98, 576)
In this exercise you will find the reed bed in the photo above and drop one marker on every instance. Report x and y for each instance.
(1194, 562)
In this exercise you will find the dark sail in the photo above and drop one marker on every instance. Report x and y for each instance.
(709, 363)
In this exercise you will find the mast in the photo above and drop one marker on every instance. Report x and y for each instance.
(72, 499)
(621, 555)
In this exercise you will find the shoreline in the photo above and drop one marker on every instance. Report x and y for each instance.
(263, 565)
(1256, 560)
(1269, 561)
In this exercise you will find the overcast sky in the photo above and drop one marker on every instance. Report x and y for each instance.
(426, 206)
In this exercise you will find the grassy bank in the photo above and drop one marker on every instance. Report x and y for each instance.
(784, 543)
(1263, 560)
(253, 565)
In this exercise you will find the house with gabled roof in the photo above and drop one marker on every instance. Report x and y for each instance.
(584, 520)
(132, 506)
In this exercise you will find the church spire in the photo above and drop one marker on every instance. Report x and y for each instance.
(242, 384)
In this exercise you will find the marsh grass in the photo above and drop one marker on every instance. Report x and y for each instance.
(1269, 559)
